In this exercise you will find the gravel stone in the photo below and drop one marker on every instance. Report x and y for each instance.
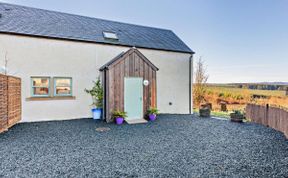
(171, 146)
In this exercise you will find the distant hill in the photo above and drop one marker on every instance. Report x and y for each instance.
(253, 83)
(255, 86)
(273, 83)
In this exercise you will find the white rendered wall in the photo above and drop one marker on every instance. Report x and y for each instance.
(30, 56)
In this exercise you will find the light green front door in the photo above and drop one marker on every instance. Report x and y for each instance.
(133, 97)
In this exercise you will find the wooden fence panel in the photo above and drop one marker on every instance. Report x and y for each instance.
(14, 100)
(274, 117)
(258, 113)
(3, 103)
(10, 101)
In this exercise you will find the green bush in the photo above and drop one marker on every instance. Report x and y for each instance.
(152, 110)
(239, 97)
(210, 92)
(227, 95)
(97, 94)
(238, 112)
(221, 95)
(117, 113)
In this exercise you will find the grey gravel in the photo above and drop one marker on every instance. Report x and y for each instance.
(171, 146)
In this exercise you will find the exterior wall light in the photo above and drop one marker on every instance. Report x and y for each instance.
(145, 82)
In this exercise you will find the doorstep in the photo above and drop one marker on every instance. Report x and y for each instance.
(136, 121)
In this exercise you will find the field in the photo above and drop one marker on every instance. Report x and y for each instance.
(238, 98)
(219, 89)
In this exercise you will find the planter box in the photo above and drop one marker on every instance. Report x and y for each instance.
(236, 117)
(205, 112)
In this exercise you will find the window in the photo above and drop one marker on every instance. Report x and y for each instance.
(40, 86)
(62, 86)
(110, 35)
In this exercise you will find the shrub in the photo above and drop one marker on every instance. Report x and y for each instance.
(210, 92)
(239, 97)
(221, 95)
(97, 93)
(117, 113)
(238, 112)
(152, 110)
(227, 95)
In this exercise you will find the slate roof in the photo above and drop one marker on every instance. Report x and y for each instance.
(38, 22)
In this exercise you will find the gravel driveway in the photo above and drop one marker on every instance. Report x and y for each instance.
(173, 145)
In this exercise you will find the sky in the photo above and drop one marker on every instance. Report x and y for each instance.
(239, 41)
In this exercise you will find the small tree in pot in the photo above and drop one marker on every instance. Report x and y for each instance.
(119, 116)
(97, 97)
(152, 113)
(237, 116)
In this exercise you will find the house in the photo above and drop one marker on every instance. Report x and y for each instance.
(57, 55)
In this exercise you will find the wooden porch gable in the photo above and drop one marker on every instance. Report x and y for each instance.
(128, 64)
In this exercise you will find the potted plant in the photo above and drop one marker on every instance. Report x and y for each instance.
(152, 113)
(237, 116)
(97, 97)
(205, 110)
(119, 116)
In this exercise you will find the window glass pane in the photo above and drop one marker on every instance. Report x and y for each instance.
(63, 82)
(110, 35)
(40, 91)
(63, 90)
(40, 82)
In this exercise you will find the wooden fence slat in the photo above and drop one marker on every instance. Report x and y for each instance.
(3, 103)
(276, 118)
(10, 101)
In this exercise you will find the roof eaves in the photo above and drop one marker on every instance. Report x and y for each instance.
(105, 66)
(90, 41)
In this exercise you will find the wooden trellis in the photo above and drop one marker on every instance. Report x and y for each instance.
(10, 101)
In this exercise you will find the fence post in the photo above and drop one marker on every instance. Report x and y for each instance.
(266, 115)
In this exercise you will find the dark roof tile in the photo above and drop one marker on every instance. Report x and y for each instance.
(38, 22)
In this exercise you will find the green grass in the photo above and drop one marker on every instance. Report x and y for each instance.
(215, 113)
(220, 114)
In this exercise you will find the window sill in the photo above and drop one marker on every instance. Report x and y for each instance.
(51, 98)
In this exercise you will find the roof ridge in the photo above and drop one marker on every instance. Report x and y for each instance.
(67, 13)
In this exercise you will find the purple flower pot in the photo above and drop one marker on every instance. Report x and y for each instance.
(152, 117)
(119, 120)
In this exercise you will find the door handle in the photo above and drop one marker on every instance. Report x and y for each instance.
(140, 98)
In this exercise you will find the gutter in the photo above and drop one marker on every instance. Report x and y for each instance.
(190, 82)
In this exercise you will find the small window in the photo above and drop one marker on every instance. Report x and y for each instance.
(110, 35)
(40, 86)
(62, 86)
